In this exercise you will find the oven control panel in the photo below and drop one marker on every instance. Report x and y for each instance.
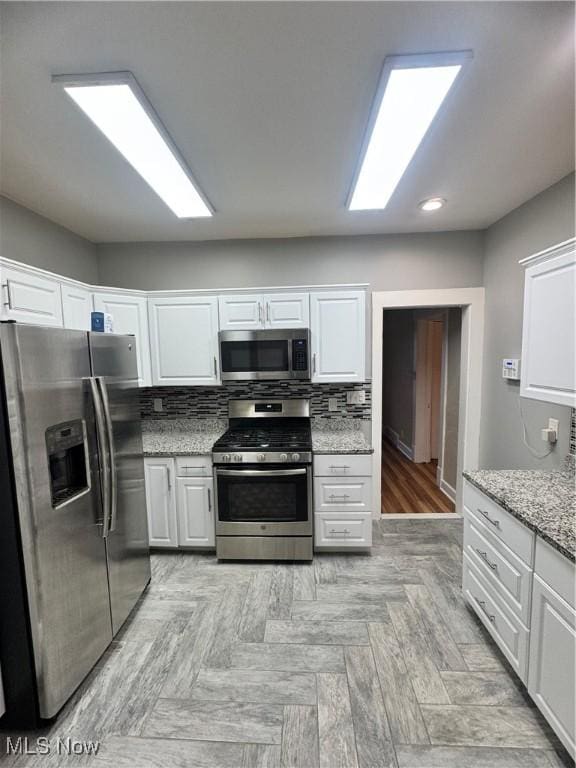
(270, 457)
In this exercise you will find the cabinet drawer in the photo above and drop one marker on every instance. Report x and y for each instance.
(194, 466)
(506, 628)
(355, 465)
(509, 530)
(556, 570)
(343, 494)
(507, 574)
(342, 530)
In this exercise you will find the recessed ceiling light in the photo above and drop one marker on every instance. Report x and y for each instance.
(410, 93)
(432, 204)
(119, 108)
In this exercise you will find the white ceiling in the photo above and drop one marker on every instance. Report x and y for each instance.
(268, 103)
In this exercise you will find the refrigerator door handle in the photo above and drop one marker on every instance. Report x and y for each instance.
(111, 455)
(103, 445)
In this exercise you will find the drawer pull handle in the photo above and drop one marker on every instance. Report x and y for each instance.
(343, 496)
(491, 618)
(192, 466)
(339, 466)
(484, 557)
(345, 532)
(495, 523)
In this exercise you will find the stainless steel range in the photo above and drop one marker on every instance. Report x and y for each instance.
(263, 482)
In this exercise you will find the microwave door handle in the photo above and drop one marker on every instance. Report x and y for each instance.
(111, 455)
(103, 454)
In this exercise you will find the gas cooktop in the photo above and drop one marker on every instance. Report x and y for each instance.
(266, 431)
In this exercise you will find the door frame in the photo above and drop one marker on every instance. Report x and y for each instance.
(471, 301)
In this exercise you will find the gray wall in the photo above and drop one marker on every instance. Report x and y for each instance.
(453, 354)
(398, 373)
(25, 236)
(543, 221)
(435, 260)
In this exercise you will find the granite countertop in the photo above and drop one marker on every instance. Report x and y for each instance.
(543, 501)
(339, 436)
(181, 437)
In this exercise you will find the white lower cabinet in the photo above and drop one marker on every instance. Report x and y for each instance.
(552, 671)
(506, 629)
(161, 502)
(195, 506)
(180, 501)
(523, 591)
(342, 502)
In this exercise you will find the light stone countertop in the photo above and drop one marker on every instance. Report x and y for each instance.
(332, 436)
(181, 437)
(544, 501)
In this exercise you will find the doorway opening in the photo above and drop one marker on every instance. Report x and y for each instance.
(427, 366)
(420, 393)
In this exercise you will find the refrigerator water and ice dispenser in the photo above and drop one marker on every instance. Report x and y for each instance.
(67, 461)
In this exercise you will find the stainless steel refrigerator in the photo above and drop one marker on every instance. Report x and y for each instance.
(73, 508)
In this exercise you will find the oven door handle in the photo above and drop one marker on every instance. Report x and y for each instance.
(259, 472)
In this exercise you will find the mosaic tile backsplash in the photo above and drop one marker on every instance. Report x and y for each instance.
(212, 402)
(573, 431)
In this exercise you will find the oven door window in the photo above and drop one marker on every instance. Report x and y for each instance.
(270, 356)
(263, 496)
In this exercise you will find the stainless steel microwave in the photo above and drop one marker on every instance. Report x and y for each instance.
(268, 355)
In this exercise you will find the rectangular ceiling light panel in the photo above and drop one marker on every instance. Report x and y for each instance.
(411, 91)
(119, 108)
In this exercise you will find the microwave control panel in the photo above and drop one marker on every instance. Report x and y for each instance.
(299, 355)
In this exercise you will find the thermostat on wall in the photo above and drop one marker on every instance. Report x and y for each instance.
(511, 369)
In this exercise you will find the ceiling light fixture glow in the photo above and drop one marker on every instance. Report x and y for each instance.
(119, 108)
(410, 93)
(432, 204)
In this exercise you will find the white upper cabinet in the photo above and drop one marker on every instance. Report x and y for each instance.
(338, 330)
(287, 310)
(184, 340)
(76, 307)
(130, 315)
(244, 312)
(30, 298)
(549, 327)
(241, 313)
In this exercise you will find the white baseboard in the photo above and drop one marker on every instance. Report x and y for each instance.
(406, 450)
(447, 489)
(389, 433)
(394, 438)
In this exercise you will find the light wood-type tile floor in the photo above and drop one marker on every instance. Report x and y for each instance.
(353, 661)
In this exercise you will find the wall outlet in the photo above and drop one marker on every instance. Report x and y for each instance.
(555, 425)
(356, 397)
(157, 404)
(332, 403)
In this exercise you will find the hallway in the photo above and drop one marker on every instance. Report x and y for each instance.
(409, 487)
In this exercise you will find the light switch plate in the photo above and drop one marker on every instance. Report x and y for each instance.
(332, 404)
(158, 405)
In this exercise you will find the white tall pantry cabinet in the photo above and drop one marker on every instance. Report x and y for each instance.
(549, 326)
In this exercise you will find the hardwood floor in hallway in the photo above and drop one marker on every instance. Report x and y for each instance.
(409, 487)
(351, 661)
